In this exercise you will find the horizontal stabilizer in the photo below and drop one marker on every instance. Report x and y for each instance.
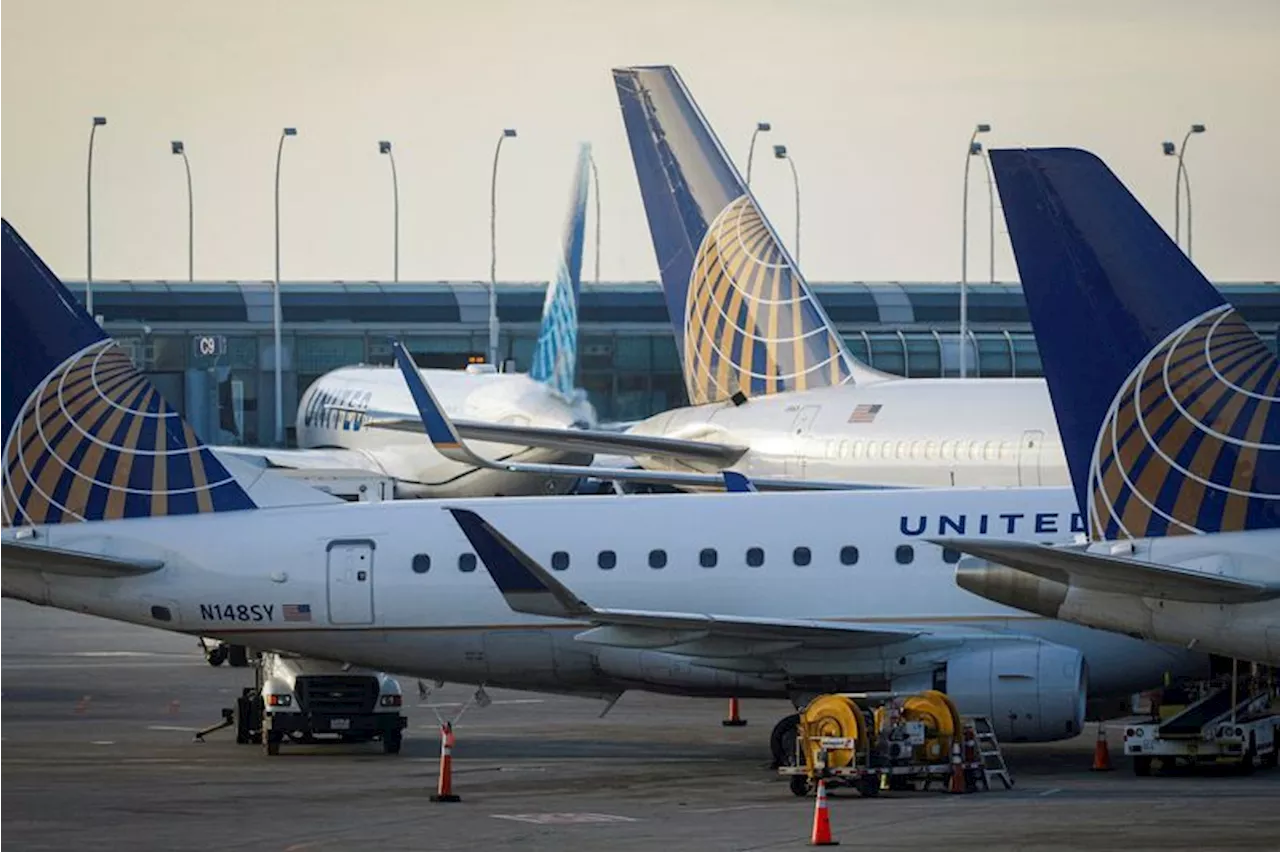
(446, 438)
(1104, 573)
(530, 588)
(593, 441)
(71, 563)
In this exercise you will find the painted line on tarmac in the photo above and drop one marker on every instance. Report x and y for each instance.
(1050, 792)
(179, 728)
(566, 818)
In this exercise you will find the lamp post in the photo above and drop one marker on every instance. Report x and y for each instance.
(384, 147)
(1181, 177)
(595, 182)
(98, 121)
(275, 300)
(508, 133)
(761, 127)
(179, 149)
(780, 153)
(974, 149)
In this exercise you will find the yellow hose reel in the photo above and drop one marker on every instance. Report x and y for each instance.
(832, 717)
(941, 722)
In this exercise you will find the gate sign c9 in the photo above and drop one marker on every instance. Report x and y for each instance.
(210, 345)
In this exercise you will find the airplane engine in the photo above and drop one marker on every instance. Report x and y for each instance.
(1031, 691)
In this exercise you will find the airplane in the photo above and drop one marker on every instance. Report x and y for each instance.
(1168, 405)
(113, 507)
(775, 393)
(764, 367)
(347, 418)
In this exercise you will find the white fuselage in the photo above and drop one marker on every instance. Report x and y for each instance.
(935, 432)
(420, 605)
(335, 413)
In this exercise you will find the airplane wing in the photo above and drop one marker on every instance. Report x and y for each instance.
(530, 588)
(53, 560)
(448, 441)
(593, 441)
(1105, 573)
(319, 459)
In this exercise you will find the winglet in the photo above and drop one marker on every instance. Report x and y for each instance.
(737, 483)
(444, 437)
(526, 585)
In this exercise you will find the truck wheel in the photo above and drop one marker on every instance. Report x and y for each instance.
(216, 656)
(271, 742)
(238, 655)
(782, 742)
(391, 743)
(1142, 766)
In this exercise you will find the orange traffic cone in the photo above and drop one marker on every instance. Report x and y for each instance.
(956, 784)
(444, 786)
(821, 819)
(734, 720)
(1101, 752)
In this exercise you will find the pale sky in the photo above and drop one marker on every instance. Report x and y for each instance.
(874, 100)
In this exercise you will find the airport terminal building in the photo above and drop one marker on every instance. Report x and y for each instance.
(208, 346)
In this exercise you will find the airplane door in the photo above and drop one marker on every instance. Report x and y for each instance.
(798, 455)
(1029, 457)
(350, 565)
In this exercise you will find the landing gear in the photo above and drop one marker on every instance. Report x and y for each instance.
(217, 655)
(238, 656)
(782, 742)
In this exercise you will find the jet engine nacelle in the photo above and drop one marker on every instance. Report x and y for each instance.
(1031, 691)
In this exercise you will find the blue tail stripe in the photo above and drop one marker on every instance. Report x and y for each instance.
(1096, 267)
(555, 358)
(76, 409)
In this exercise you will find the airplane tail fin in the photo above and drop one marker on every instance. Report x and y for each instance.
(86, 436)
(744, 317)
(555, 360)
(1165, 398)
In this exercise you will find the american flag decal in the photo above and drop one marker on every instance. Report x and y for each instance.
(297, 612)
(865, 413)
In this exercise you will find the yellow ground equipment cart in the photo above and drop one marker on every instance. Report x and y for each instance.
(895, 741)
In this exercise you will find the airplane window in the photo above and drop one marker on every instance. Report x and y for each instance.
(657, 559)
(467, 563)
(848, 555)
(707, 558)
(559, 560)
(607, 560)
(421, 563)
(755, 557)
(801, 556)
(950, 555)
(905, 554)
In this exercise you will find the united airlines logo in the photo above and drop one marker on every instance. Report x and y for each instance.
(344, 409)
(750, 322)
(1002, 524)
(96, 441)
(555, 358)
(1191, 443)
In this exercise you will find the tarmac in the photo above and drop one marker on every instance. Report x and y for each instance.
(98, 753)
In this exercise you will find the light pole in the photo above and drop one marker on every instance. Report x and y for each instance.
(178, 148)
(98, 121)
(595, 182)
(974, 149)
(1179, 179)
(991, 218)
(780, 153)
(384, 147)
(275, 300)
(508, 133)
(761, 127)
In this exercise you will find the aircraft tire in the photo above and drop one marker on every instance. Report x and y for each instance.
(782, 742)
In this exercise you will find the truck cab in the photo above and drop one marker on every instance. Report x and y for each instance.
(306, 700)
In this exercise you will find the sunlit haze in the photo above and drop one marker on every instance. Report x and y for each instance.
(875, 102)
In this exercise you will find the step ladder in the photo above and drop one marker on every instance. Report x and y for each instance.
(990, 755)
